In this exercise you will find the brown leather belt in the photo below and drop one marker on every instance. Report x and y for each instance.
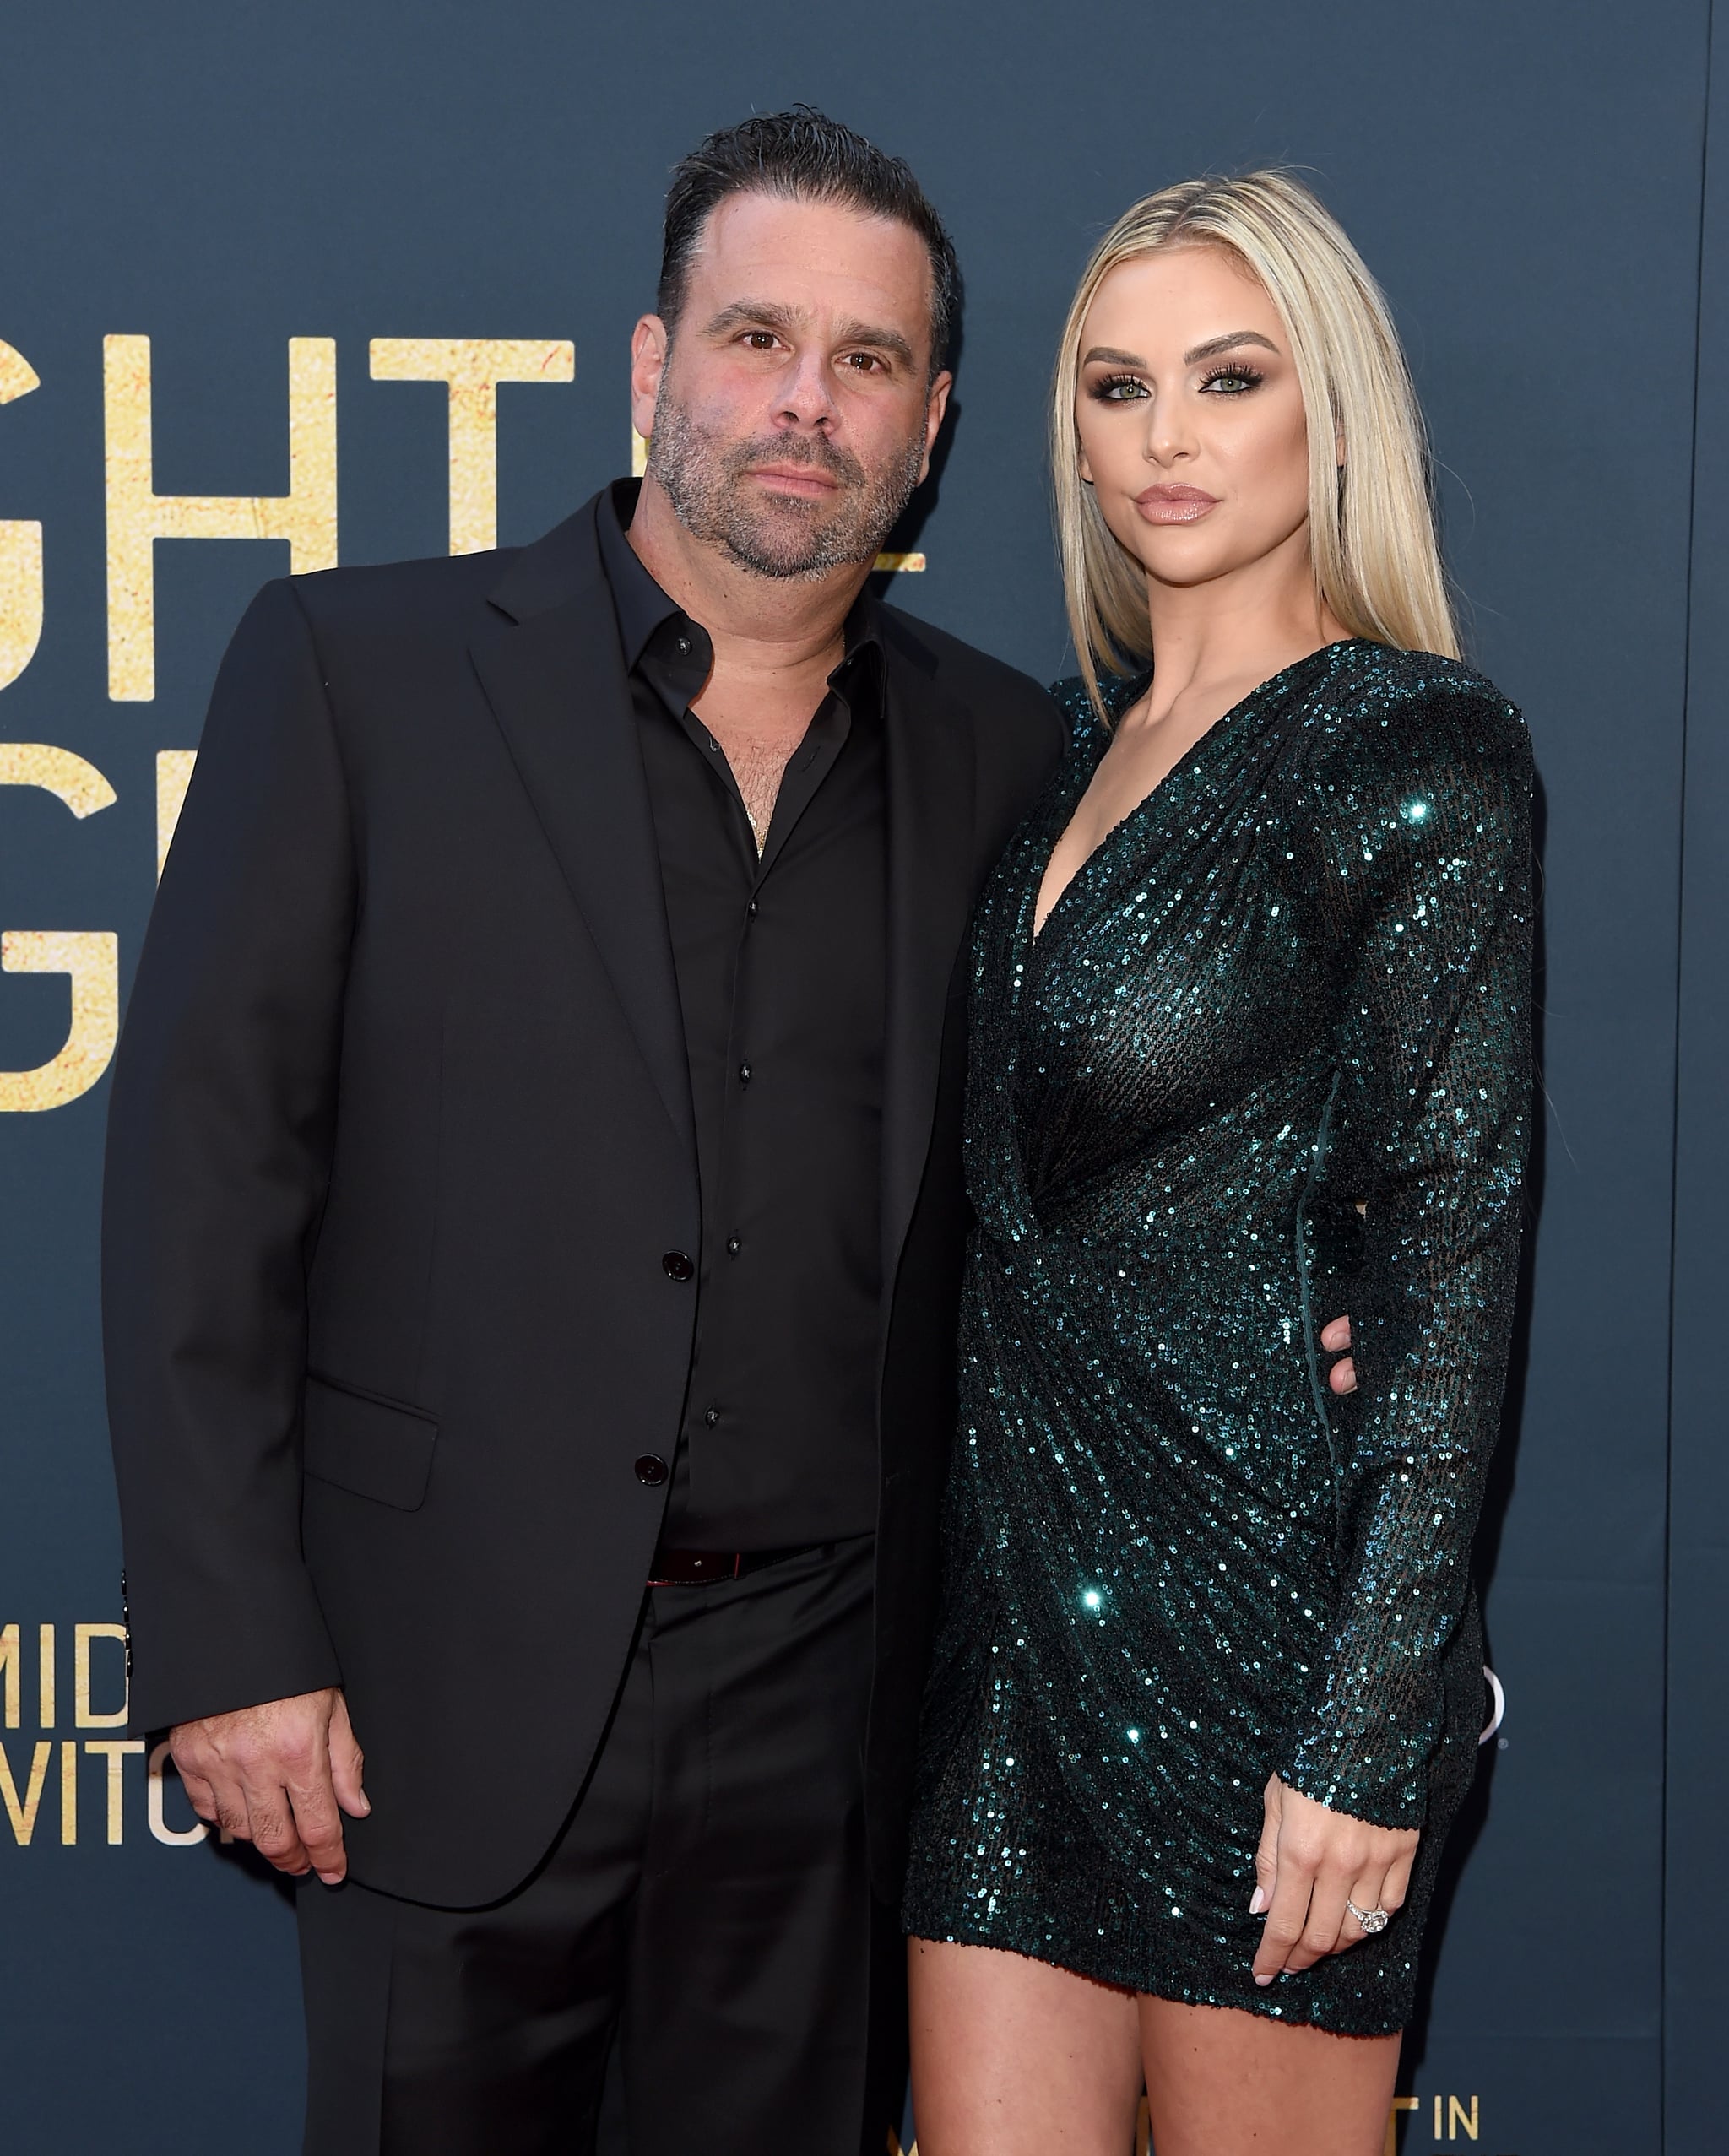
(692, 1568)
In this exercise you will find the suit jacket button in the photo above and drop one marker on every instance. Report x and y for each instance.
(677, 1266)
(651, 1468)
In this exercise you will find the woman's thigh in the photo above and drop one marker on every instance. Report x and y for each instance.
(1220, 2081)
(1011, 2057)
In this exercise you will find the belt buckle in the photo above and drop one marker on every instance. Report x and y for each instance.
(701, 1566)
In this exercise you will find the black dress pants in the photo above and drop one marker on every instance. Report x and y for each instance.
(700, 1942)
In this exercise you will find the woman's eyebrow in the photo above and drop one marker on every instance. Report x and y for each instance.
(1214, 345)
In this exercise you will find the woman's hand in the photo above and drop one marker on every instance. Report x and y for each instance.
(1312, 1861)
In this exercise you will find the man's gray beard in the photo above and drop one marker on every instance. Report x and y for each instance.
(703, 476)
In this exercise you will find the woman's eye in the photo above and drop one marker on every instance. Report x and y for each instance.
(1232, 382)
(1118, 389)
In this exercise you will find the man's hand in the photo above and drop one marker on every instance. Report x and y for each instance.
(274, 1776)
(1342, 1377)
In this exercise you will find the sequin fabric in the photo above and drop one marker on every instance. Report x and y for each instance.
(1296, 978)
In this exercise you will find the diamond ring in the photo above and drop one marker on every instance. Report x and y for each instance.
(1372, 1920)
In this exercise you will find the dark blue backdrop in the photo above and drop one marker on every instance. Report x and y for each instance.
(1529, 178)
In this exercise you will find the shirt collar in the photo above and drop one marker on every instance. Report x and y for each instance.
(643, 609)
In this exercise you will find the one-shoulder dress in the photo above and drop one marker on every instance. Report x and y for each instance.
(1267, 1061)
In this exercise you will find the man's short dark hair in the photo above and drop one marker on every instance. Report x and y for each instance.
(804, 156)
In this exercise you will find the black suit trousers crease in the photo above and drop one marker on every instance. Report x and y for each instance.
(702, 1933)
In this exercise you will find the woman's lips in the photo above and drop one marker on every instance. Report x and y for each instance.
(1175, 505)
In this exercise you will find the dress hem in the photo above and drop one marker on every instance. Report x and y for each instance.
(1265, 2005)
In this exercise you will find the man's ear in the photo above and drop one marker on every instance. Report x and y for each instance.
(650, 342)
(936, 404)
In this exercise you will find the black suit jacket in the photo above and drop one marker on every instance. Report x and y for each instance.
(400, 1138)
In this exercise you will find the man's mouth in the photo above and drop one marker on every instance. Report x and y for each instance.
(795, 479)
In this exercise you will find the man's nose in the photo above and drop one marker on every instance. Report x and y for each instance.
(806, 394)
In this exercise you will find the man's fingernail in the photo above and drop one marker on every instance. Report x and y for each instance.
(365, 1804)
(1257, 1901)
(331, 1878)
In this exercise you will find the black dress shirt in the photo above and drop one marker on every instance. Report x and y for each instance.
(782, 960)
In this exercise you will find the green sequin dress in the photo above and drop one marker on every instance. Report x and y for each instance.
(1296, 976)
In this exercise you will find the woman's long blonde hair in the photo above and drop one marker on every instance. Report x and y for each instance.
(1371, 525)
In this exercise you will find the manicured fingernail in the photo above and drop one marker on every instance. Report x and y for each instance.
(1257, 1901)
(1263, 1980)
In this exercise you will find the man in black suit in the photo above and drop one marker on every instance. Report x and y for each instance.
(533, 1173)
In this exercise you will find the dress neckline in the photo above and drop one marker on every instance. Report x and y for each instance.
(1133, 685)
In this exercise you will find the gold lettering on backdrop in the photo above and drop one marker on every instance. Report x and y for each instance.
(78, 785)
(23, 1782)
(115, 1749)
(92, 959)
(137, 516)
(1458, 2116)
(154, 1810)
(21, 1811)
(892, 563)
(473, 367)
(1390, 2146)
(86, 1716)
(174, 774)
(20, 548)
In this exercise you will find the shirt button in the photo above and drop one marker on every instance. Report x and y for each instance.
(651, 1468)
(752, 909)
(733, 1246)
(677, 1266)
(710, 1416)
(743, 1074)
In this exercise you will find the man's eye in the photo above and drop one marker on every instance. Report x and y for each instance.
(862, 362)
(760, 340)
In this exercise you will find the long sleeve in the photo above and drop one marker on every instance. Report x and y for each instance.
(218, 1140)
(1422, 825)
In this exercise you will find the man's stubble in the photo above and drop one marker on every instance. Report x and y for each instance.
(703, 475)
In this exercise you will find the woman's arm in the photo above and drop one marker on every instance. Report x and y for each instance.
(1423, 826)
(1423, 822)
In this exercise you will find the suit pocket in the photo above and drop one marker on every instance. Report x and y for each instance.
(375, 1448)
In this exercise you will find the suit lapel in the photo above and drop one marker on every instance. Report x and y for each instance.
(930, 878)
(550, 664)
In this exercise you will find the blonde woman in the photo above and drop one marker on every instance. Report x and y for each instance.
(1251, 1007)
